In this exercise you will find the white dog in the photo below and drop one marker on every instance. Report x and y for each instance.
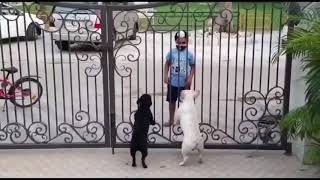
(186, 116)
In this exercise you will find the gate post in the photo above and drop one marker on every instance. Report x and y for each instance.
(105, 75)
(111, 63)
(284, 139)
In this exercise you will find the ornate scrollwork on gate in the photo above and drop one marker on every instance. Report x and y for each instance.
(16, 132)
(264, 120)
(9, 13)
(80, 30)
(132, 55)
(37, 132)
(261, 124)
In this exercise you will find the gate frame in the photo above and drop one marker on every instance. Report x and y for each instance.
(108, 65)
(285, 145)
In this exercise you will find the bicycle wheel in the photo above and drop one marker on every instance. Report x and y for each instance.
(25, 92)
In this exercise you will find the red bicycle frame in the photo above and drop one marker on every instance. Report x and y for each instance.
(5, 95)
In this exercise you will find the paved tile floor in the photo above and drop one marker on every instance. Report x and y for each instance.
(99, 162)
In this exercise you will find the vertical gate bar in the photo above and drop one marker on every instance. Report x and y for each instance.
(37, 69)
(20, 70)
(96, 98)
(97, 11)
(130, 95)
(235, 74)
(138, 76)
(88, 100)
(286, 94)
(227, 82)
(3, 73)
(261, 62)
(46, 80)
(71, 79)
(202, 75)
(179, 29)
(154, 76)
(54, 82)
(28, 62)
(195, 52)
(122, 102)
(162, 83)
(105, 60)
(11, 64)
(188, 40)
(169, 89)
(145, 59)
(279, 37)
(111, 61)
(79, 84)
(244, 63)
(62, 78)
(219, 73)
(253, 44)
(211, 51)
(268, 85)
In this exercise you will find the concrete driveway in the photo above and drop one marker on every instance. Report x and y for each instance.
(163, 163)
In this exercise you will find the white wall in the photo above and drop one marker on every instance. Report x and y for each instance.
(297, 98)
(297, 94)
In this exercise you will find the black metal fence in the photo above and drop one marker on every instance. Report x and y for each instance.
(71, 111)
(94, 61)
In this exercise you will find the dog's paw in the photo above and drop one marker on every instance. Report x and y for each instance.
(181, 164)
(134, 165)
(144, 166)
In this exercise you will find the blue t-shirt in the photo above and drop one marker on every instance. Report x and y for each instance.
(180, 66)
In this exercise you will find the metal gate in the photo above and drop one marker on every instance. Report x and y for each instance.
(61, 49)
(94, 60)
(242, 91)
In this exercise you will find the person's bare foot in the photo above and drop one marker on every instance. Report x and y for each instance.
(167, 124)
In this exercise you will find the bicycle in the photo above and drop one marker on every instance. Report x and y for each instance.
(17, 90)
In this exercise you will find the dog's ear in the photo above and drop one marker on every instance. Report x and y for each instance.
(196, 93)
(138, 101)
(147, 100)
(149, 103)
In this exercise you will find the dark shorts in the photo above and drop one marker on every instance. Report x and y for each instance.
(173, 93)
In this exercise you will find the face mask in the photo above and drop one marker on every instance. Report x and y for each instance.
(181, 48)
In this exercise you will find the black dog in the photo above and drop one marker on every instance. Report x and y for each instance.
(142, 119)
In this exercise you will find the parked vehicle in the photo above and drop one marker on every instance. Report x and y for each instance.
(29, 26)
(84, 26)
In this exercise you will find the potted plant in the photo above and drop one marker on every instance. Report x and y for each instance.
(303, 42)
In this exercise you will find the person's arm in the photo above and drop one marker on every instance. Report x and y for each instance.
(192, 72)
(167, 65)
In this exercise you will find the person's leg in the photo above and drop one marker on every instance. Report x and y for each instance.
(172, 95)
(172, 110)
